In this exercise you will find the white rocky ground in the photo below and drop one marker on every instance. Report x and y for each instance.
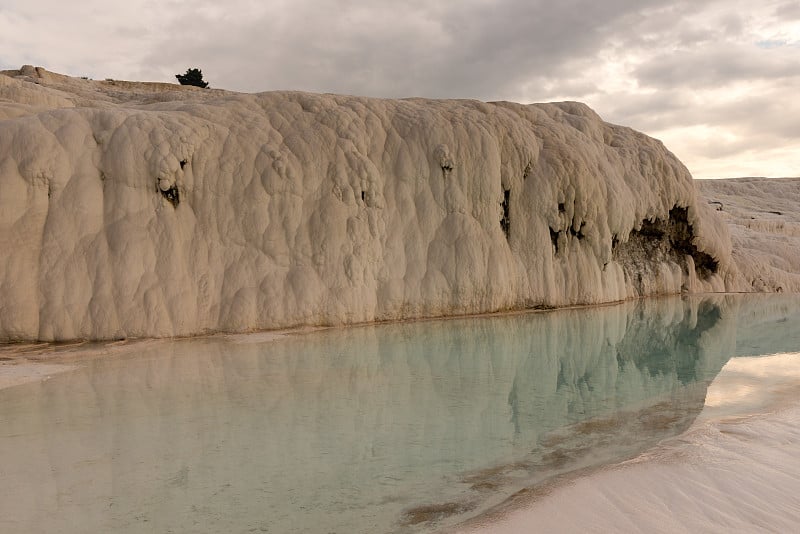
(764, 218)
(146, 210)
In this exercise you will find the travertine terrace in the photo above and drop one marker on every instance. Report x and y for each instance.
(147, 210)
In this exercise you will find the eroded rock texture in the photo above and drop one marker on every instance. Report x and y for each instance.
(764, 218)
(131, 209)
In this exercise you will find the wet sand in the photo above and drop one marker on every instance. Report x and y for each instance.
(736, 469)
(22, 363)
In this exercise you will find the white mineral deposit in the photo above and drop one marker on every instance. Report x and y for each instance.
(151, 210)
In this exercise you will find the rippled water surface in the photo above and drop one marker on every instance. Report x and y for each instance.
(391, 428)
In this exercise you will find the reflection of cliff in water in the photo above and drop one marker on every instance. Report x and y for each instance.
(603, 360)
(354, 429)
(673, 351)
(619, 381)
(691, 352)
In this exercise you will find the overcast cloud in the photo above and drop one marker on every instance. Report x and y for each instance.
(716, 80)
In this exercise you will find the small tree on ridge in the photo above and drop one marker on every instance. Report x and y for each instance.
(192, 77)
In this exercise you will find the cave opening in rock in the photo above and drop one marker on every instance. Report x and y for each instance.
(661, 240)
(681, 235)
(505, 221)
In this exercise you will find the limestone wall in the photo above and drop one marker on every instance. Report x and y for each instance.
(137, 210)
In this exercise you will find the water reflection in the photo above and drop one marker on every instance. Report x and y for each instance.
(371, 429)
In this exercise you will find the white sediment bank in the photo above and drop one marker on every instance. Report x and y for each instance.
(151, 210)
(735, 470)
(23, 373)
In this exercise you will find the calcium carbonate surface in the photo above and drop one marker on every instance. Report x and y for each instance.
(147, 210)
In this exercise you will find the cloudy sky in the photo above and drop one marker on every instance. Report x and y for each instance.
(716, 80)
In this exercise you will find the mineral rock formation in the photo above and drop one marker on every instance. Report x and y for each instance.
(763, 215)
(132, 209)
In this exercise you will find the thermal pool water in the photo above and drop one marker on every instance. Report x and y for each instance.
(389, 428)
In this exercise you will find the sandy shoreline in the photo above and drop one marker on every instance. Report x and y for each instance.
(735, 469)
(16, 374)
(22, 363)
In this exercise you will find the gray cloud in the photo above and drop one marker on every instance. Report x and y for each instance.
(656, 111)
(757, 121)
(455, 49)
(662, 66)
(715, 65)
(788, 11)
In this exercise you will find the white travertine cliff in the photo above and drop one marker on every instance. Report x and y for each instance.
(131, 209)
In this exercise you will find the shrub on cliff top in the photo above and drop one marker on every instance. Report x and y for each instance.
(192, 77)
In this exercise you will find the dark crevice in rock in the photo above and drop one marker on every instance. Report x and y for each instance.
(681, 236)
(569, 232)
(579, 234)
(172, 194)
(505, 221)
(183, 163)
(363, 195)
(561, 207)
(554, 239)
(659, 241)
